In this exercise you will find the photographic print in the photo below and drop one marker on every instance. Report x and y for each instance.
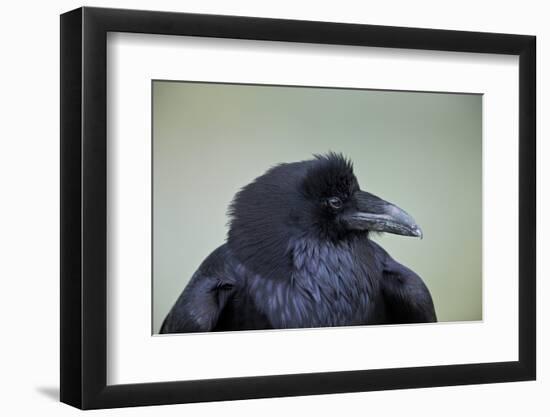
(322, 194)
(284, 207)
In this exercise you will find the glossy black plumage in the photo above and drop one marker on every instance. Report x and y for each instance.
(298, 254)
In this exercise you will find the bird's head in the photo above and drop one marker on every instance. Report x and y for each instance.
(318, 199)
(340, 207)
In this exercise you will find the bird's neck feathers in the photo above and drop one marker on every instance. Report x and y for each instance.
(261, 225)
(278, 255)
(328, 284)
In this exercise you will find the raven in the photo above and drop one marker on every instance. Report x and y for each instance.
(298, 255)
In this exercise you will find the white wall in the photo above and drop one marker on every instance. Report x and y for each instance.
(29, 210)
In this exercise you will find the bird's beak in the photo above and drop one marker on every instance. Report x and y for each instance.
(374, 214)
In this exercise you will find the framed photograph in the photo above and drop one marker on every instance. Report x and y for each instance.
(258, 207)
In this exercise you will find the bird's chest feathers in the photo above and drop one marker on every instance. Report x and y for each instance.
(327, 286)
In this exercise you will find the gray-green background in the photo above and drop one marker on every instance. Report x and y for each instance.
(421, 151)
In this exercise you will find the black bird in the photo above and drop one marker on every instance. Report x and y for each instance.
(298, 254)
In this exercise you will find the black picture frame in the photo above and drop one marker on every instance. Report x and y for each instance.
(84, 207)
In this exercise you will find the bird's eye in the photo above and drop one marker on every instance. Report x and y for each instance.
(335, 203)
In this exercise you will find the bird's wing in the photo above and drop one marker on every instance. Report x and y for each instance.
(407, 298)
(199, 306)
